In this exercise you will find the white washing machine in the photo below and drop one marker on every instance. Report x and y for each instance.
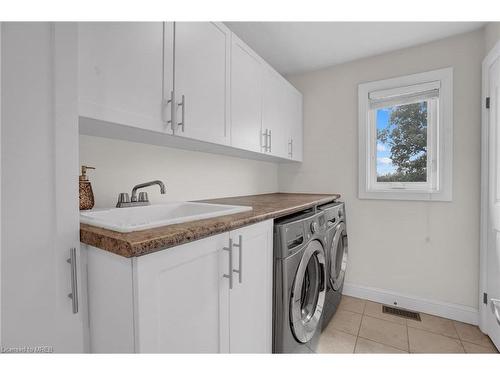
(299, 282)
(336, 256)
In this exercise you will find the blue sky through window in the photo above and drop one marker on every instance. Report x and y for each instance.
(384, 161)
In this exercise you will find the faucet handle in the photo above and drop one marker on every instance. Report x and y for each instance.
(143, 197)
(122, 198)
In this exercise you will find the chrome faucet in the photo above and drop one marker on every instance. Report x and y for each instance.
(142, 200)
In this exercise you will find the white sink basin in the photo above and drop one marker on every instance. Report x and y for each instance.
(131, 219)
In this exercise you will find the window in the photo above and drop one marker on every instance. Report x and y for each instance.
(405, 137)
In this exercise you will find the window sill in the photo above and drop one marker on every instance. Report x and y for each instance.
(407, 195)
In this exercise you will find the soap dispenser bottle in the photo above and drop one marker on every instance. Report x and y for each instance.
(86, 193)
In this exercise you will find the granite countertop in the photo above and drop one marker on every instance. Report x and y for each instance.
(265, 206)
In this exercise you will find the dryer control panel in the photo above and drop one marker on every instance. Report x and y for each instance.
(291, 234)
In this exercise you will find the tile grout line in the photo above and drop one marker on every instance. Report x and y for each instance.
(390, 346)
(458, 335)
(463, 347)
(408, 337)
(428, 330)
(481, 345)
(355, 344)
(381, 343)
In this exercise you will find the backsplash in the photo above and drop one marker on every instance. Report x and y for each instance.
(188, 175)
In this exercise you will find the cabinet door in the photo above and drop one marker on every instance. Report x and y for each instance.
(121, 67)
(202, 78)
(295, 124)
(181, 298)
(39, 70)
(274, 112)
(251, 296)
(246, 97)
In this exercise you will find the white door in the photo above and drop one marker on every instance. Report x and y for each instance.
(246, 97)
(274, 113)
(121, 67)
(251, 295)
(201, 67)
(493, 251)
(39, 187)
(181, 297)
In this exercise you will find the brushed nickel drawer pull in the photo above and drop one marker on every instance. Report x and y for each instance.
(239, 271)
(74, 280)
(230, 275)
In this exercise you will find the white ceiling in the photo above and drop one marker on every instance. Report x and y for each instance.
(293, 47)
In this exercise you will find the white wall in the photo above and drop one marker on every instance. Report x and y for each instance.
(424, 249)
(491, 35)
(188, 175)
(0, 184)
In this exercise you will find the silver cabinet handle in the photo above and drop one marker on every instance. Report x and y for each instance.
(74, 281)
(173, 114)
(240, 248)
(183, 112)
(495, 306)
(290, 147)
(270, 142)
(230, 275)
(265, 135)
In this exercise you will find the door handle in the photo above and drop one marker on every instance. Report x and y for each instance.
(270, 142)
(173, 114)
(230, 268)
(240, 263)
(265, 135)
(183, 112)
(495, 307)
(74, 280)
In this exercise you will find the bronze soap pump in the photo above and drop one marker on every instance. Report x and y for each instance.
(86, 193)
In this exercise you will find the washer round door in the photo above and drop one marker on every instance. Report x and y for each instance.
(308, 293)
(338, 257)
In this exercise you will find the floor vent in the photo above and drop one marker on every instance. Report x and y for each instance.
(402, 313)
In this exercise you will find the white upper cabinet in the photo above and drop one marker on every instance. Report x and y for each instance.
(194, 80)
(121, 68)
(294, 124)
(201, 85)
(274, 116)
(246, 97)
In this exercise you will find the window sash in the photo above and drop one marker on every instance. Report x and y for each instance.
(432, 168)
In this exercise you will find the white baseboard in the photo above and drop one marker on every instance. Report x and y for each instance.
(446, 310)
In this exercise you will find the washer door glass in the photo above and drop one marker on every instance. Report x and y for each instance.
(338, 257)
(308, 293)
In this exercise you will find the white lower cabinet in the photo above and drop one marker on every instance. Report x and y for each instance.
(187, 299)
(250, 298)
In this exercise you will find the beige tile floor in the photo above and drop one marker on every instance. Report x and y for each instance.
(360, 326)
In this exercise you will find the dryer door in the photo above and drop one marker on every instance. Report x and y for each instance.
(308, 293)
(338, 257)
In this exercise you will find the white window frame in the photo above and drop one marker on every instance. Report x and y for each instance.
(439, 135)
